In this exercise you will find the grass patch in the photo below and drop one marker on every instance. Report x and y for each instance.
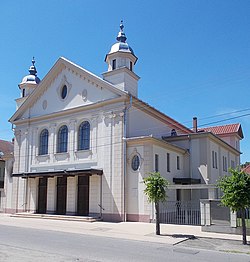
(235, 251)
(239, 222)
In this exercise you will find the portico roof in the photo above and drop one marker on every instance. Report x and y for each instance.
(54, 173)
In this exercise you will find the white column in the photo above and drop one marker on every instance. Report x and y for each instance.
(33, 194)
(94, 195)
(51, 195)
(71, 196)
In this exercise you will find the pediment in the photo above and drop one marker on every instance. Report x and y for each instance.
(65, 87)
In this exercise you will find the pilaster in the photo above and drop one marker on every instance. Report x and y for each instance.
(52, 141)
(71, 142)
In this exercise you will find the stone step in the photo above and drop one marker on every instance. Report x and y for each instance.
(57, 217)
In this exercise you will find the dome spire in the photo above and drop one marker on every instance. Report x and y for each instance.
(32, 69)
(32, 78)
(121, 37)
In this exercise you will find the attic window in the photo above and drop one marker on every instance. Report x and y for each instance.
(64, 91)
(173, 132)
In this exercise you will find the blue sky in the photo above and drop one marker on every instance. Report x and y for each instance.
(193, 56)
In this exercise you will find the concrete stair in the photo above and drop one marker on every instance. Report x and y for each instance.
(57, 217)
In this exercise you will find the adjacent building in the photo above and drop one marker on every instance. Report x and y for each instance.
(6, 170)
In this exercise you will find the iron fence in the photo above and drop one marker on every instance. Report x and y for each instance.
(180, 212)
(247, 217)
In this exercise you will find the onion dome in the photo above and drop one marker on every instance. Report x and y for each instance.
(32, 78)
(121, 44)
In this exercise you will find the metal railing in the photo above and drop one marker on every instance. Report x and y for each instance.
(180, 212)
(247, 217)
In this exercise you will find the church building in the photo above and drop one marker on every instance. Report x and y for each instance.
(83, 144)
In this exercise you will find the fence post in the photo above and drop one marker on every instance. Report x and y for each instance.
(186, 212)
(203, 214)
(208, 213)
(233, 219)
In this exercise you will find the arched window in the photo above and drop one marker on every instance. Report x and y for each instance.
(84, 136)
(62, 140)
(43, 142)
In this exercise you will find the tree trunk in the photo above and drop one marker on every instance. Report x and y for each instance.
(244, 230)
(157, 217)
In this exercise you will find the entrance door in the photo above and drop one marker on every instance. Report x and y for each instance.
(83, 196)
(61, 195)
(42, 195)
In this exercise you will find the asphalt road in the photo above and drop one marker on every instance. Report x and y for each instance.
(24, 244)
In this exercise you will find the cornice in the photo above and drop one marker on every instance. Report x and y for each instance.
(155, 141)
(121, 54)
(209, 135)
(71, 111)
(121, 69)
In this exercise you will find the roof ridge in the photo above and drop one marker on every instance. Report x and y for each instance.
(221, 125)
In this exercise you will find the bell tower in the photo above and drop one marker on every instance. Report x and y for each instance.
(28, 84)
(121, 60)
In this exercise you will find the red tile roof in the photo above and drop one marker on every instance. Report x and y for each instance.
(246, 169)
(6, 147)
(223, 130)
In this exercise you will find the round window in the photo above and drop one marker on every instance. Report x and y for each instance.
(64, 91)
(135, 163)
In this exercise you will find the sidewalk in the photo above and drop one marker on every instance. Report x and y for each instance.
(170, 234)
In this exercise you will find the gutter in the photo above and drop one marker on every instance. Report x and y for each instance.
(190, 159)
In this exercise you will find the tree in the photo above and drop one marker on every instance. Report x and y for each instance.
(236, 195)
(245, 165)
(156, 187)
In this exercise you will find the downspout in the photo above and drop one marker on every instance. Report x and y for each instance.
(19, 164)
(190, 160)
(195, 129)
(125, 119)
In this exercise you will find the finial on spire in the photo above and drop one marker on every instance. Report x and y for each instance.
(33, 61)
(32, 69)
(121, 26)
(121, 37)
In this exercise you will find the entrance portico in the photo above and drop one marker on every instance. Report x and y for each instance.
(73, 192)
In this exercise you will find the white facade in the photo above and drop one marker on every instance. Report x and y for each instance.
(103, 179)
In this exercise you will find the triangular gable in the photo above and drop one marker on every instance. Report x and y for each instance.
(59, 75)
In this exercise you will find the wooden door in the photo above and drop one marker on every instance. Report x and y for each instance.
(83, 196)
(61, 195)
(42, 195)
